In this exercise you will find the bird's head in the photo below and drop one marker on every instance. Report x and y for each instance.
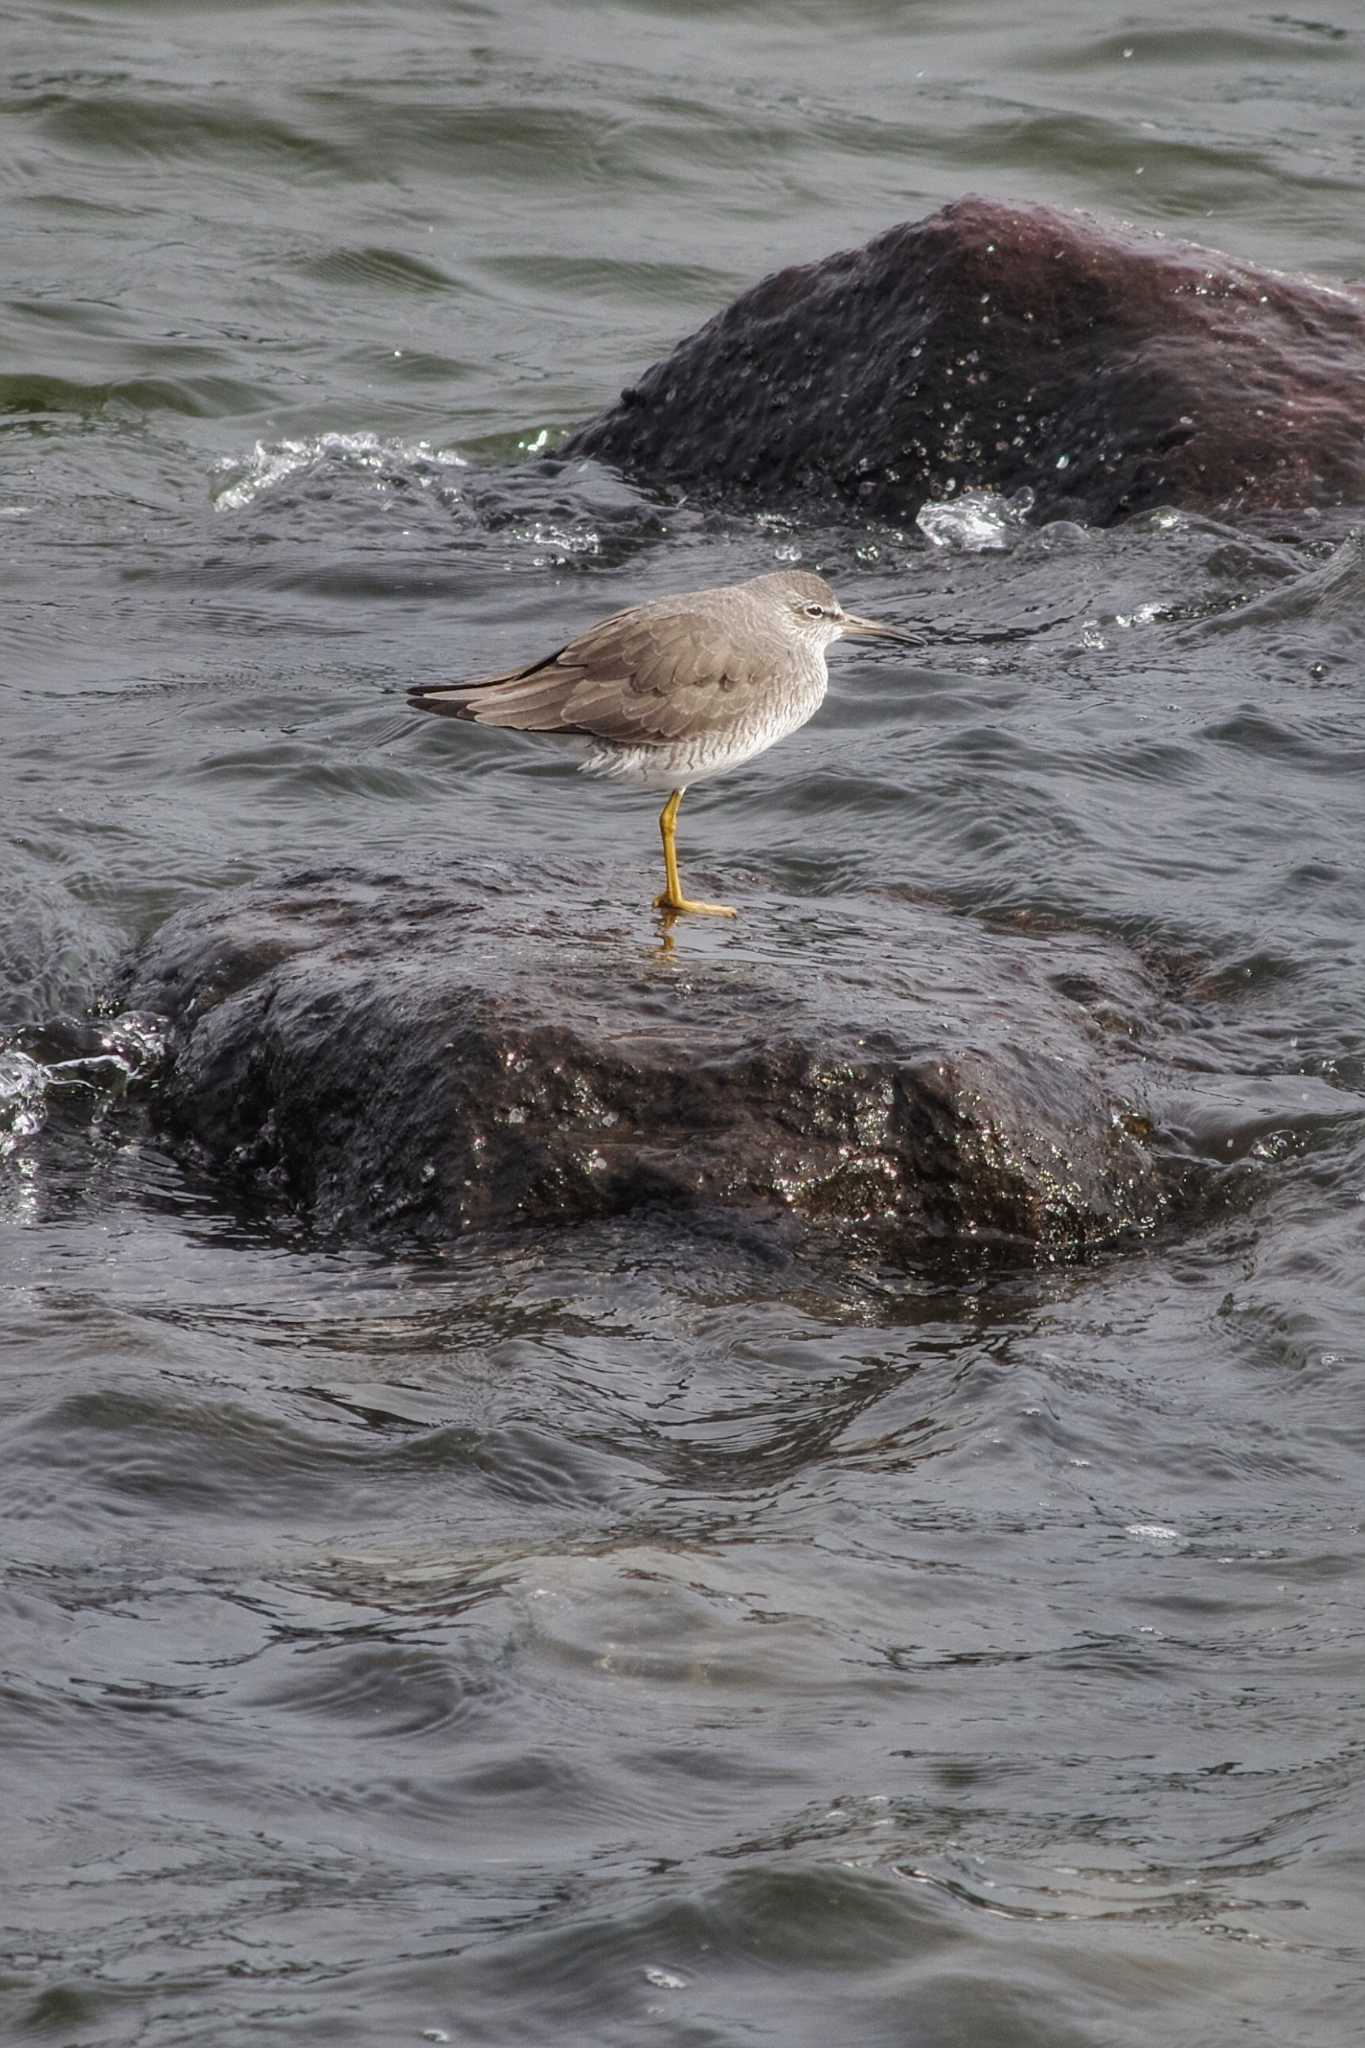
(811, 609)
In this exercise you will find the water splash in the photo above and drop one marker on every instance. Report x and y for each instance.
(98, 1061)
(23, 1085)
(240, 480)
(976, 522)
(558, 544)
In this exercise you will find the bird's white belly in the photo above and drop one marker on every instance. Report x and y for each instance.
(676, 763)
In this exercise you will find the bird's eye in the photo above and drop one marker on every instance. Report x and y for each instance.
(814, 611)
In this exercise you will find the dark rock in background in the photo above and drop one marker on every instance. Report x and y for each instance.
(421, 1056)
(995, 346)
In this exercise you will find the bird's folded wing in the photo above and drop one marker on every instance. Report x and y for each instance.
(640, 679)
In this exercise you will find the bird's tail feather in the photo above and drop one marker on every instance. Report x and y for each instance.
(454, 700)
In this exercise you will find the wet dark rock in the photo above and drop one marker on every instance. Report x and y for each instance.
(414, 1057)
(994, 346)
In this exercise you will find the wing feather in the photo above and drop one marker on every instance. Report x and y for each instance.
(641, 678)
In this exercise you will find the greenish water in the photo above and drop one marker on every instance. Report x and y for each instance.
(580, 1642)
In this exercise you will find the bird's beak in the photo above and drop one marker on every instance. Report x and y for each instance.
(873, 629)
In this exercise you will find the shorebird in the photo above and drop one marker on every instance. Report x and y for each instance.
(671, 691)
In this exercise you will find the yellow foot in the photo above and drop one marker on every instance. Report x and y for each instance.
(677, 906)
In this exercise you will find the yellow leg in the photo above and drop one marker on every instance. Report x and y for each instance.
(673, 898)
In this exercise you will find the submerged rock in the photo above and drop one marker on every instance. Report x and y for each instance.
(994, 346)
(397, 1056)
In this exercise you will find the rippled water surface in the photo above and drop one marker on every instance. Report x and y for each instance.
(614, 1640)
